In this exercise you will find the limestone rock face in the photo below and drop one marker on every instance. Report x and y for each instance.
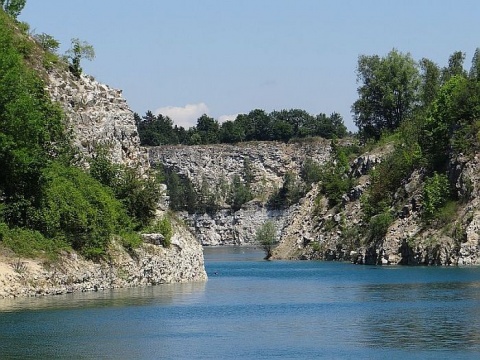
(148, 265)
(268, 161)
(98, 116)
(217, 164)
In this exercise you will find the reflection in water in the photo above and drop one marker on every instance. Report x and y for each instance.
(182, 293)
(429, 316)
(255, 309)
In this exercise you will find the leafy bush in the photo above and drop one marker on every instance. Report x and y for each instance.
(378, 226)
(436, 192)
(290, 193)
(140, 195)
(311, 171)
(239, 193)
(164, 227)
(78, 209)
(266, 237)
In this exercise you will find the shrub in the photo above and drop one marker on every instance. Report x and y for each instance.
(436, 192)
(266, 237)
(30, 243)
(378, 226)
(164, 227)
(311, 171)
(77, 208)
(239, 193)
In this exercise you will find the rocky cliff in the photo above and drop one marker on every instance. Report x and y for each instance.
(313, 229)
(337, 233)
(99, 117)
(268, 163)
(147, 265)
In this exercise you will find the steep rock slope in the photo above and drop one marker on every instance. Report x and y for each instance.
(214, 164)
(336, 233)
(99, 117)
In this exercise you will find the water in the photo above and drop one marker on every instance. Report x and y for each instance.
(253, 309)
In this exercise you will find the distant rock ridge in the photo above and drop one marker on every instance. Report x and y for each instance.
(268, 162)
(311, 229)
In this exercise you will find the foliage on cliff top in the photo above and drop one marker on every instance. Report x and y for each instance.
(257, 125)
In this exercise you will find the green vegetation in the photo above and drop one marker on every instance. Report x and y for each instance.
(290, 193)
(266, 236)
(440, 122)
(12, 7)
(257, 125)
(46, 203)
(164, 227)
(79, 50)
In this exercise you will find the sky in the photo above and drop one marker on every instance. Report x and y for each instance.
(184, 58)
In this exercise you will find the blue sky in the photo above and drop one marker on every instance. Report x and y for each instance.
(224, 57)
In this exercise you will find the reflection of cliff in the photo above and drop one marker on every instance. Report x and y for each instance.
(137, 296)
(408, 326)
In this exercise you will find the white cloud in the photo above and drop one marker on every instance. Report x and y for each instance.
(224, 118)
(186, 116)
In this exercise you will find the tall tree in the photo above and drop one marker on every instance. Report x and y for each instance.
(455, 66)
(431, 81)
(13, 7)
(475, 68)
(388, 92)
(208, 129)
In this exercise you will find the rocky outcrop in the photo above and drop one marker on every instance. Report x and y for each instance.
(233, 228)
(317, 231)
(99, 117)
(267, 162)
(147, 265)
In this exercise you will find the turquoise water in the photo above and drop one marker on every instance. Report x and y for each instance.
(253, 309)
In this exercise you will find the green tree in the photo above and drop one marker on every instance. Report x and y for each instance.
(436, 192)
(267, 238)
(231, 132)
(79, 50)
(388, 93)
(451, 120)
(156, 130)
(239, 193)
(208, 129)
(455, 66)
(431, 81)
(13, 7)
(475, 68)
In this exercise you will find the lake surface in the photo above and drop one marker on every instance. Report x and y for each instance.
(254, 309)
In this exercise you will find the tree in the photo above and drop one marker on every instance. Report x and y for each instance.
(208, 129)
(475, 68)
(239, 193)
(296, 120)
(388, 93)
(47, 42)
(455, 66)
(79, 50)
(266, 237)
(231, 132)
(431, 81)
(156, 130)
(13, 7)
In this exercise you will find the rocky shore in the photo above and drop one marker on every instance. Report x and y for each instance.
(148, 265)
